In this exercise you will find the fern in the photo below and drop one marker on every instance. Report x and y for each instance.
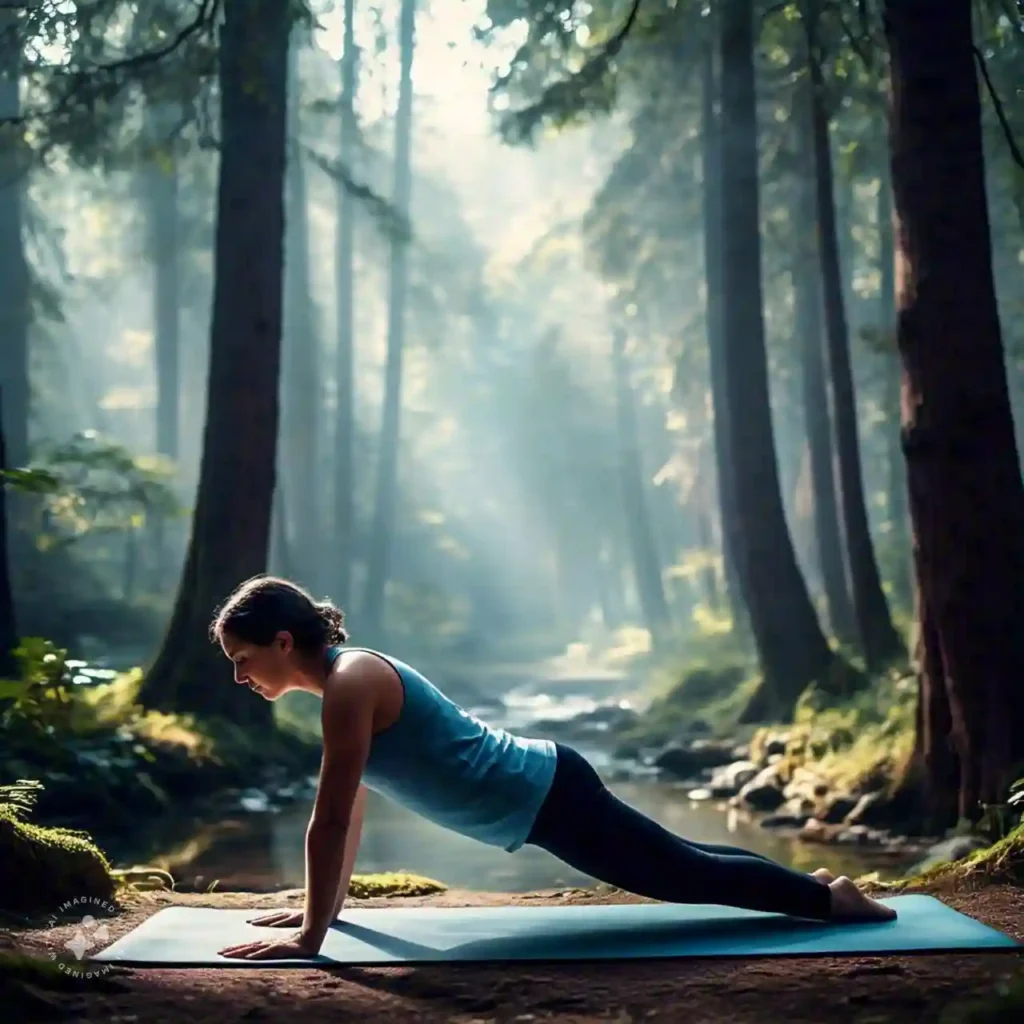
(19, 798)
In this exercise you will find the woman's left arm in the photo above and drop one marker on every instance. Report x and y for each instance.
(347, 730)
(348, 707)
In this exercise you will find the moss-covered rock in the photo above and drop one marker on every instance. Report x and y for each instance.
(44, 867)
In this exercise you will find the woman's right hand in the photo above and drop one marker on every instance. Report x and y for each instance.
(280, 919)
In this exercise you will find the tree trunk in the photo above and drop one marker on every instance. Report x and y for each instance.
(161, 181)
(711, 167)
(231, 524)
(15, 311)
(379, 558)
(818, 420)
(646, 566)
(790, 643)
(300, 405)
(899, 521)
(879, 640)
(342, 539)
(966, 495)
(8, 623)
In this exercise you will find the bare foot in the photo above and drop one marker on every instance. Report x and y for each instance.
(850, 904)
(824, 875)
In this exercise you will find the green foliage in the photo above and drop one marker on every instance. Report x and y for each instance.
(91, 485)
(31, 481)
(41, 698)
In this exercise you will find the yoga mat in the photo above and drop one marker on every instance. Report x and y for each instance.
(191, 936)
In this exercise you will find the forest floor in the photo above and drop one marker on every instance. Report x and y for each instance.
(865, 990)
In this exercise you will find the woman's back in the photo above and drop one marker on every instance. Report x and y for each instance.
(446, 764)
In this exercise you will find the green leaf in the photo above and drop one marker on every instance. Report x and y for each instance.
(31, 481)
(14, 689)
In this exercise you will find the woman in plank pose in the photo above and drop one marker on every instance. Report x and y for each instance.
(388, 728)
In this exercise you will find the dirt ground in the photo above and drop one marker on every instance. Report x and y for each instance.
(866, 990)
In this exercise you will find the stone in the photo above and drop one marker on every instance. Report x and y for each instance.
(855, 835)
(861, 811)
(783, 820)
(687, 761)
(837, 809)
(763, 792)
(815, 831)
(799, 805)
(948, 851)
(761, 798)
(730, 779)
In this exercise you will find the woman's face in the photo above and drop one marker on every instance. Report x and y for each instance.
(266, 669)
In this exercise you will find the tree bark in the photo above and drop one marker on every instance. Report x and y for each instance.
(646, 565)
(711, 168)
(880, 642)
(896, 491)
(8, 623)
(818, 419)
(159, 187)
(15, 311)
(161, 184)
(231, 524)
(790, 643)
(379, 558)
(300, 436)
(342, 539)
(966, 495)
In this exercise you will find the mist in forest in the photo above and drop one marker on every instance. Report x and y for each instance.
(530, 336)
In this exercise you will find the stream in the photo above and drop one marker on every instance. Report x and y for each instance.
(258, 848)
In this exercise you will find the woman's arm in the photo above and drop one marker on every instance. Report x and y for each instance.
(347, 726)
(355, 829)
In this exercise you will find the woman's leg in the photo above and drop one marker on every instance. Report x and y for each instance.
(585, 825)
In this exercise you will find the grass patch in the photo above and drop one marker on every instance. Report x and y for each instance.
(393, 883)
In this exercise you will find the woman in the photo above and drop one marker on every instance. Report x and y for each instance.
(387, 727)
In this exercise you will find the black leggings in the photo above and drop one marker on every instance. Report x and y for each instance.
(591, 830)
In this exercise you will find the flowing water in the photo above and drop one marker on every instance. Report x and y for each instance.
(260, 850)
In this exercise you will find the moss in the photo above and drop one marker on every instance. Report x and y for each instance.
(391, 883)
(711, 693)
(44, 866)
(860, 744)
(1003, 861)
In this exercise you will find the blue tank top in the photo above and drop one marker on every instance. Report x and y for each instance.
(453, 769)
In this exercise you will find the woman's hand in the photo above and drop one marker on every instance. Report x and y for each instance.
(280, 919)
(292, 948)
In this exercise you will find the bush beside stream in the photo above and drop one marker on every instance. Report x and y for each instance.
(108, 761)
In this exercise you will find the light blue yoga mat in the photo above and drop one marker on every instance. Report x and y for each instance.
(191, 936)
